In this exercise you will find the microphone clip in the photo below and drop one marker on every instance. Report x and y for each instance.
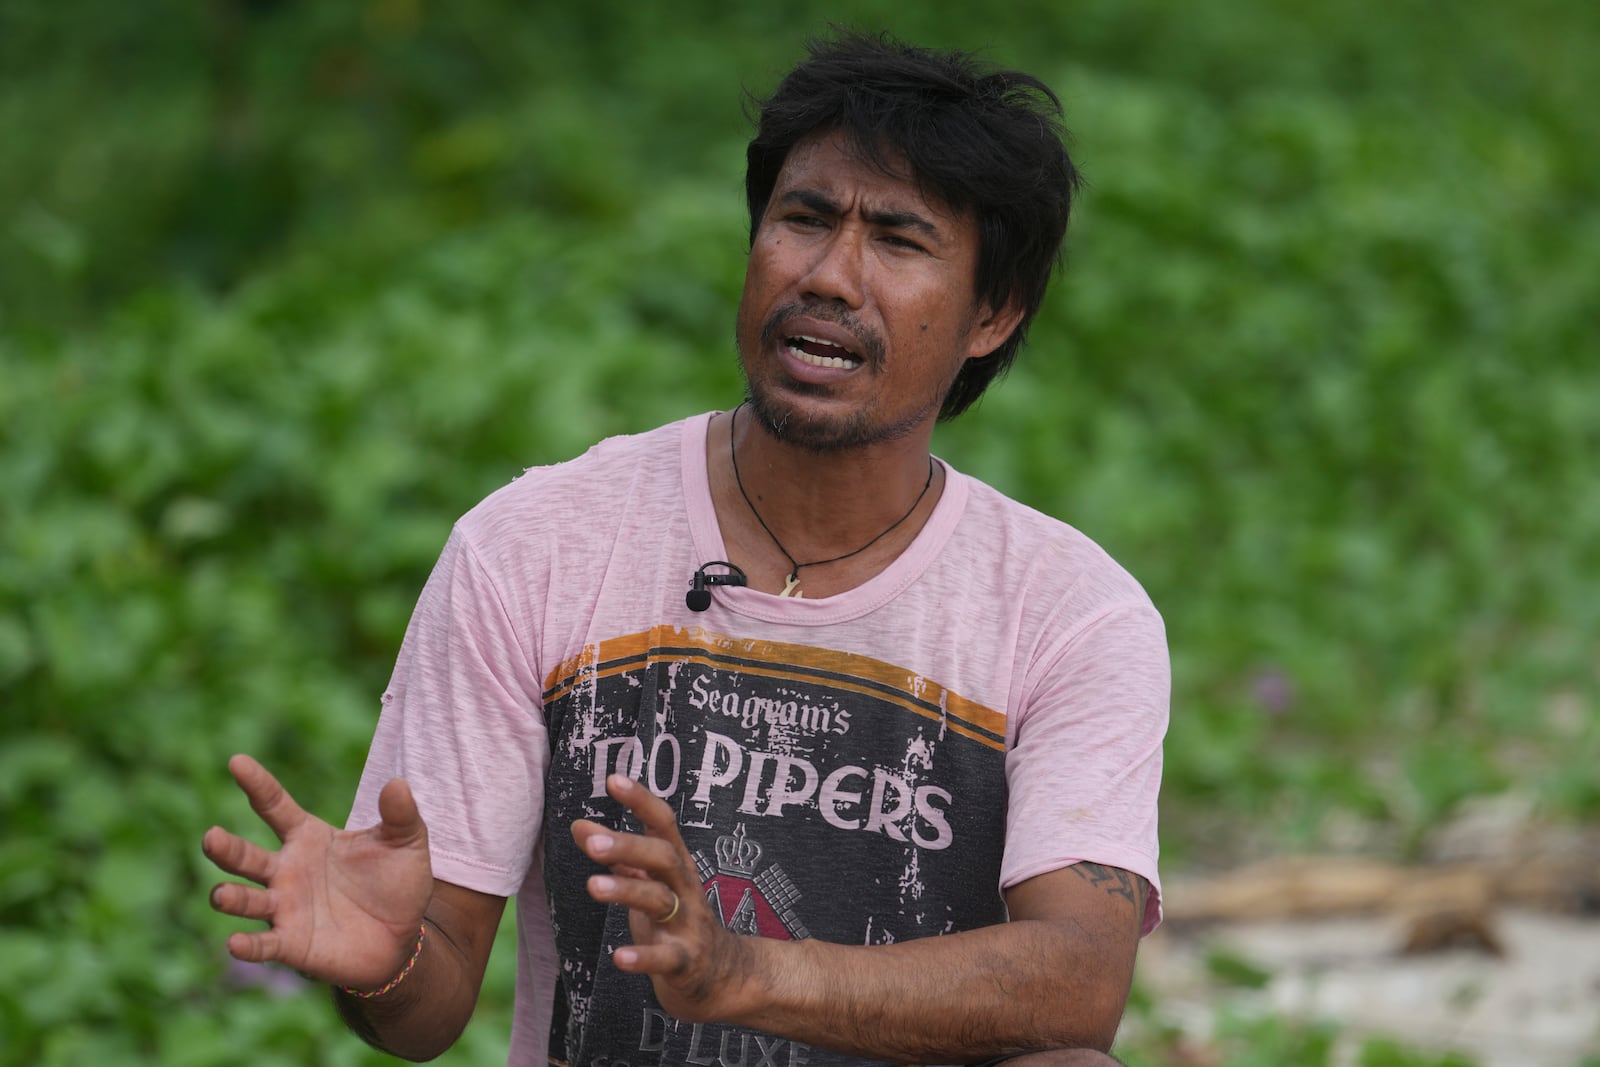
(698, 598)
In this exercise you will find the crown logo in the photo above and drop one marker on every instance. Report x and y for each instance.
(737, 855)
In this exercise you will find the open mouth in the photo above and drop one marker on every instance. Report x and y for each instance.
(819, 353)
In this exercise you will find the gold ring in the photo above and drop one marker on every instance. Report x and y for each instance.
(673, 913)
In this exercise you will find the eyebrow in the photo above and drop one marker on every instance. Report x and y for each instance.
(822, 204)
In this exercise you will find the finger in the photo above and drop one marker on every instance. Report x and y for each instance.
(632, 855)
(269, 799)
(242, 901)
(648, 897)
(658, 818)
(660, 823)
(669, 958)
(401, 821)
(259, 946)
(237, 856)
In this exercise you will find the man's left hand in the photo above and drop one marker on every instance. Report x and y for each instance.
(701, 972)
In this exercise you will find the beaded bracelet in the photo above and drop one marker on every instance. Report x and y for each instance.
(397, 979)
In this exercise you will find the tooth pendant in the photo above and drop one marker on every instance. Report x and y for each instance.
(791, 587)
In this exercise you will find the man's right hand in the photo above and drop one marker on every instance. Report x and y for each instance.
(343, 907)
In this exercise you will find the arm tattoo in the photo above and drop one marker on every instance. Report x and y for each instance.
(1116, 881)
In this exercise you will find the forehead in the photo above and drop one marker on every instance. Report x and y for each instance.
(831, 164)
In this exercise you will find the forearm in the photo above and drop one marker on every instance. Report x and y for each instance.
(1054, 977)
(423, 1015)
(1069, 1057)
(1022, 985)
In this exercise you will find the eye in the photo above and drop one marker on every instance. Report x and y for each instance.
(902, 243)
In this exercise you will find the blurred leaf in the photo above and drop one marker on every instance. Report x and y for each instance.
(1234, 970)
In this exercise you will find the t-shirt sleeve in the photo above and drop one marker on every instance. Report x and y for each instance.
(463, 723)
(1084, 768)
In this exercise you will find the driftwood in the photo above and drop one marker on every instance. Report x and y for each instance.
(1440, 906)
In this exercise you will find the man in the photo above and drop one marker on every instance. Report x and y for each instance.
(905, 732)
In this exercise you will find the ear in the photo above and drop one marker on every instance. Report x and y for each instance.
(990, 328)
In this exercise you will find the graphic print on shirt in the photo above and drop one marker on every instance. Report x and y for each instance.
(822, 794)
(743, 900)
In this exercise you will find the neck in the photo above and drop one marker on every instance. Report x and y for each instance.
(782, 506)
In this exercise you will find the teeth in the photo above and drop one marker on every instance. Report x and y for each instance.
(823, 361)
(840, 362)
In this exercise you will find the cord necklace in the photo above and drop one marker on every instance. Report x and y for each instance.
(791, 585)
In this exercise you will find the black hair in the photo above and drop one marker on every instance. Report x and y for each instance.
(977, 139)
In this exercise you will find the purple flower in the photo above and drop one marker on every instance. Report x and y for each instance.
(1273, 690)
(275, 980)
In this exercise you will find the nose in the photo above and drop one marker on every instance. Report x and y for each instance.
(835, 273)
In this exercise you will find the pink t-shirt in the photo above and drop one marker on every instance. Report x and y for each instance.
(867, 767)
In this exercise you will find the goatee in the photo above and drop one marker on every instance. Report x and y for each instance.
(819, 434)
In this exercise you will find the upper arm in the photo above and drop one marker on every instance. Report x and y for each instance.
(462, 722)
(1095, 914)
(1083, 765)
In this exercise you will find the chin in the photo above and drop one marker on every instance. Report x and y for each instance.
(804, 426)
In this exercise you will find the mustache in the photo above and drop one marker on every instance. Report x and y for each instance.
(869, 346)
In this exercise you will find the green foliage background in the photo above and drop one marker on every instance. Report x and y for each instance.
(285, 287)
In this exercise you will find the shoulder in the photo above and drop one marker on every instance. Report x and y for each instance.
(583, 492)
(1042, 557)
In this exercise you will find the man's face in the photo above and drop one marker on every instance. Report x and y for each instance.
(858, 306)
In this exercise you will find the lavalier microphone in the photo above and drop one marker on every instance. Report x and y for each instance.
(699, 597)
